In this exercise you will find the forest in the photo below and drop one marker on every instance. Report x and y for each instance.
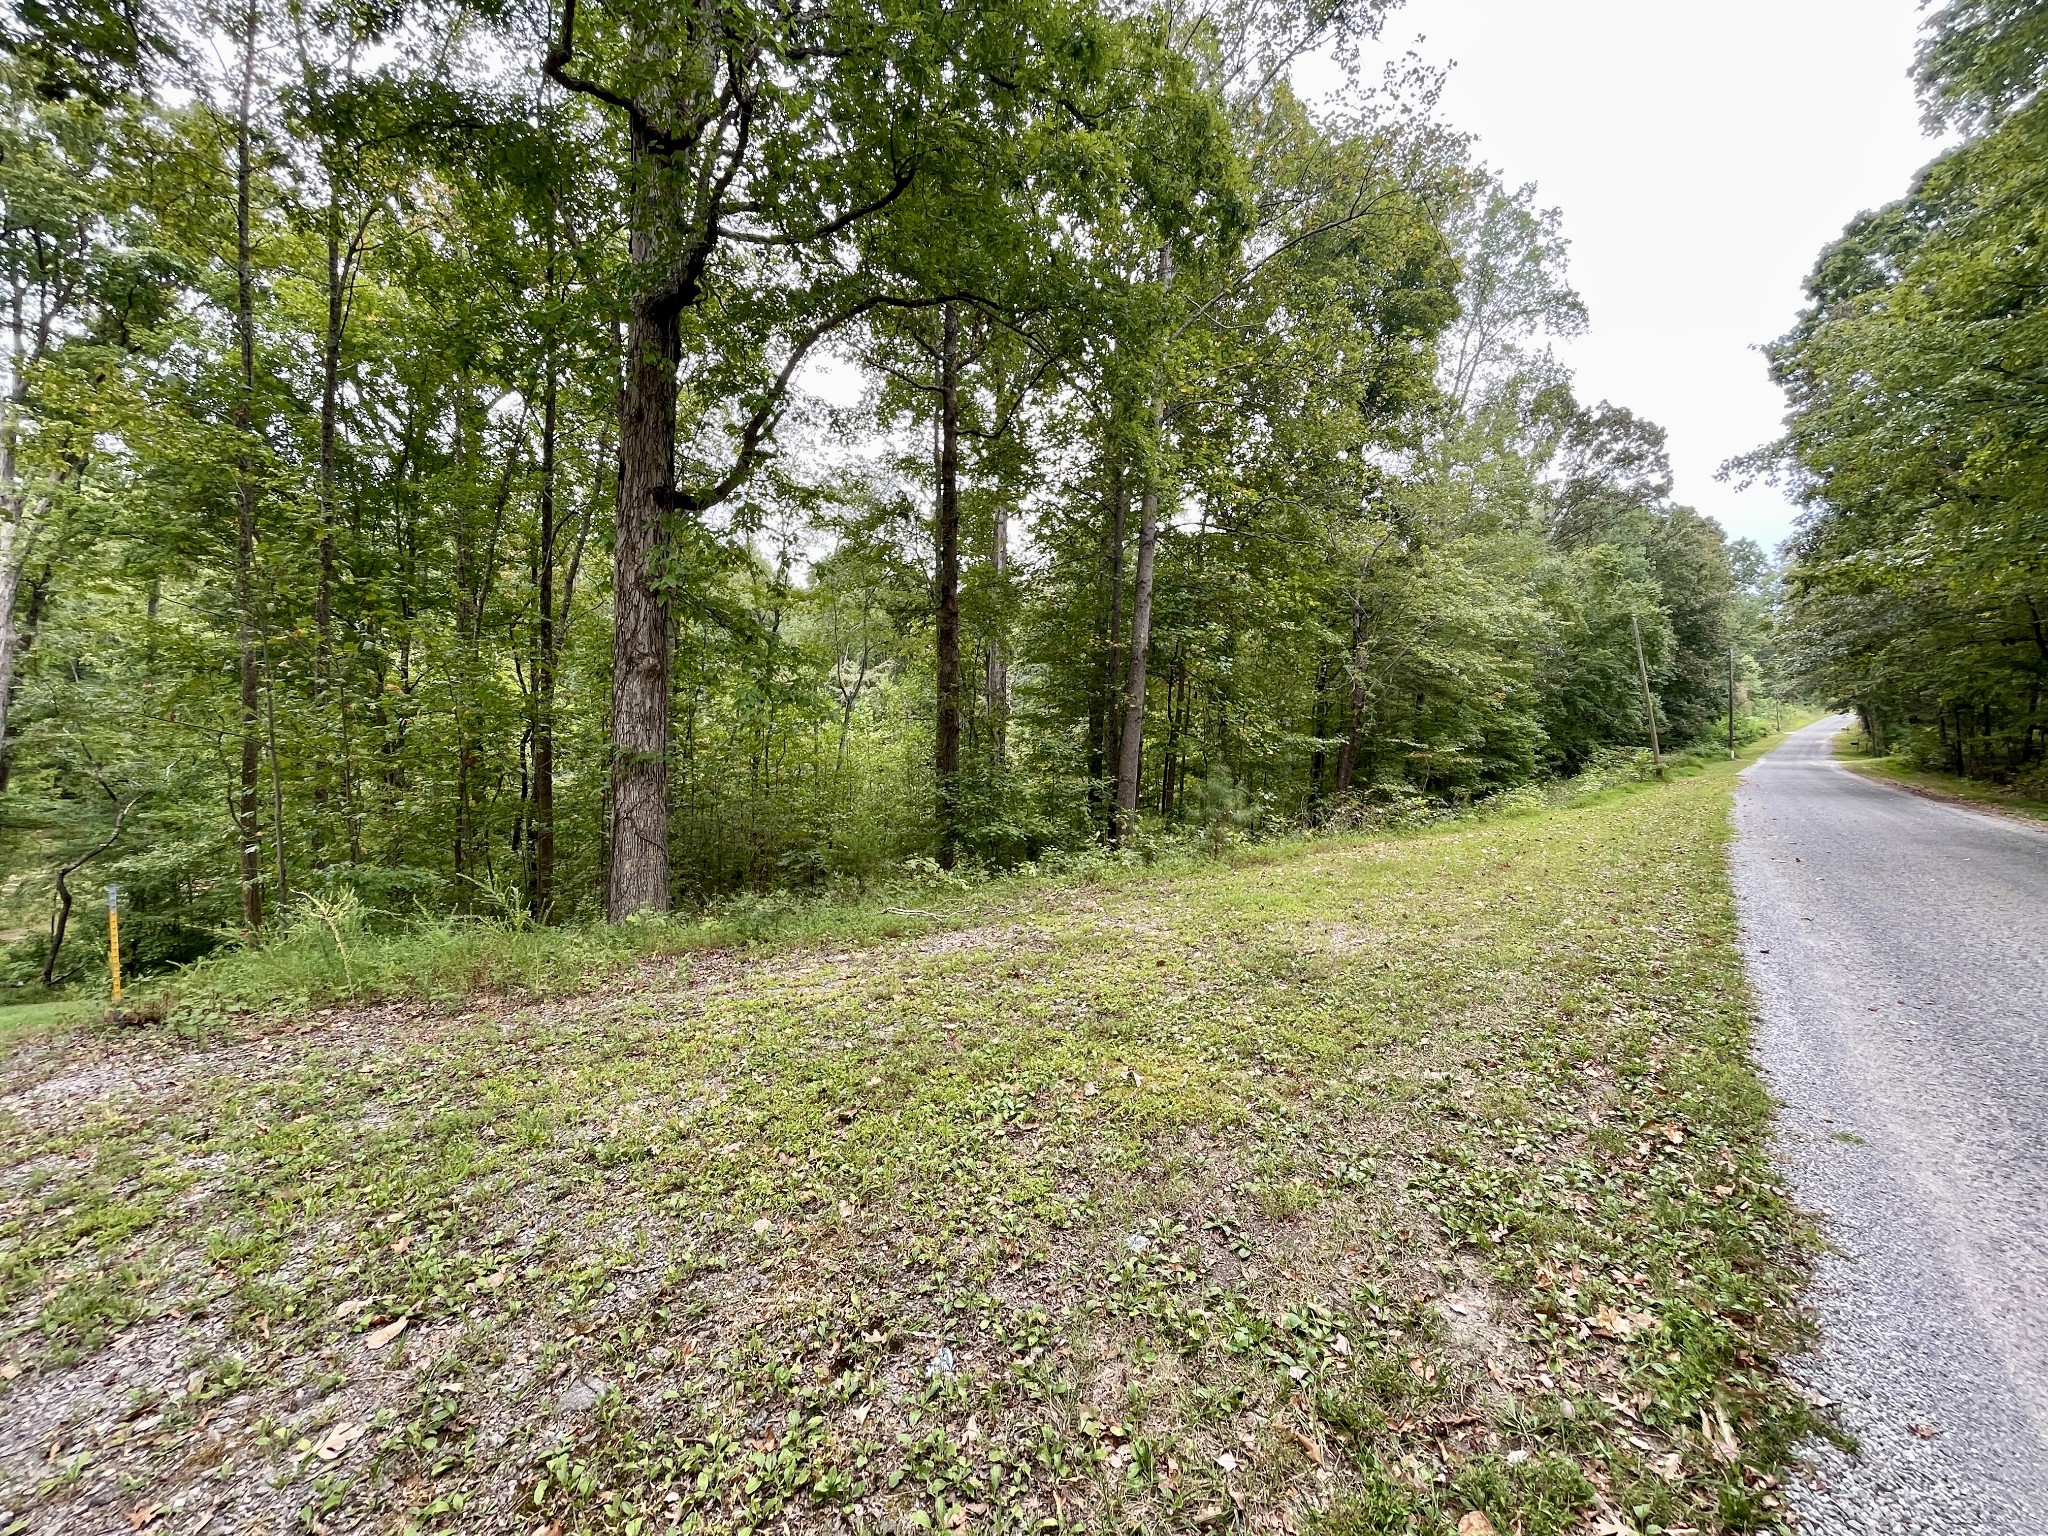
(1918, 589)
(574, 463)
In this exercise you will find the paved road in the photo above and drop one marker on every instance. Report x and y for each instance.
(1899, 947)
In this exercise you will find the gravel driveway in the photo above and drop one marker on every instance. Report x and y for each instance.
(1899, 948)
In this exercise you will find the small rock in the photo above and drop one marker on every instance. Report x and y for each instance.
(582, 1394)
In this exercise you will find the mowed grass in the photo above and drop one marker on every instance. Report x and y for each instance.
(1854, 747)
(19, 1020)
(1353, 1191)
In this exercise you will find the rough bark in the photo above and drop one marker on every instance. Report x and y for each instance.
(1102, 762)
(540, 894)
(1131, 740)
(10, 586)
(245, 803)
(1354, 709)
(947, 538)
(1318, 727)
(17, 531)
(997, 663)
(643, 636)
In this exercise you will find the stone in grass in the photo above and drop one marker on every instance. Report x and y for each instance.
(583, 1394)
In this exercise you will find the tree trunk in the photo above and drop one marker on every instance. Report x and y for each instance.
(1318, 727)
(1101, 767)
(251, 862)
(540, 893)
(1131, 741)
(1354, 715)
(10, 586)
(323, 594)
(947, 537)
(643, 634)
(998, 670)
(17, 537)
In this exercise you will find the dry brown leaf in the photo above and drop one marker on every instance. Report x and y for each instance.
(138, 1518)
(492, 1282)
(387, 1333)
(1473, 1523)
(1315, 1452)
(351, 1307)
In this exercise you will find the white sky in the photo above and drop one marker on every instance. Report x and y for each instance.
(1702, 154)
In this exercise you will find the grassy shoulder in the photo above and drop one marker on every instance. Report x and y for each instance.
(1352, 1187)
(20, 1020)
(1853, 747)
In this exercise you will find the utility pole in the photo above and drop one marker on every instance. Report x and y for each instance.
(1731, 701)
(1649, 704)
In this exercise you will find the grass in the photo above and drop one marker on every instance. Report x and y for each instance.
(1853, 746)
(1350, 1187)
(20, 1020)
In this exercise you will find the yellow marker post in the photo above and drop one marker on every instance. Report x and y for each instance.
(114, 938)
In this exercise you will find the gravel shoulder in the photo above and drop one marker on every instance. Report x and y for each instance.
(1899, 948)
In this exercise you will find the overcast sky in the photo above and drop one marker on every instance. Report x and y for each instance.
(1702, 155)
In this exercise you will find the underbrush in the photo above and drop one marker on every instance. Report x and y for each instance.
(338, 948)
(1358, 1184)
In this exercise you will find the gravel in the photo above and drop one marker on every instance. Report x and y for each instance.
(1899, 948)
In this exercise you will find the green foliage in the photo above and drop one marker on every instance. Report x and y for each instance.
(308, 594)
(1151, 1197)
(1916, 439)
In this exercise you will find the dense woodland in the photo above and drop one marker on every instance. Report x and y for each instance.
(1918, 437)
(580, 462)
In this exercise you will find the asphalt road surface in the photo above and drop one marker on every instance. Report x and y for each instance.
(1899, 948)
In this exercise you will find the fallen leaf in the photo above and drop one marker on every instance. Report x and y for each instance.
(492, 1282)
(1226, 1461)
(1612, 1323)
(1315, 1452)
(138, 1518)
(1208, 1515)
(1922, 1431)
(387, 1333)
(352, 1307)
(1473, 1523)
(339, 1439)
(9, 1371)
